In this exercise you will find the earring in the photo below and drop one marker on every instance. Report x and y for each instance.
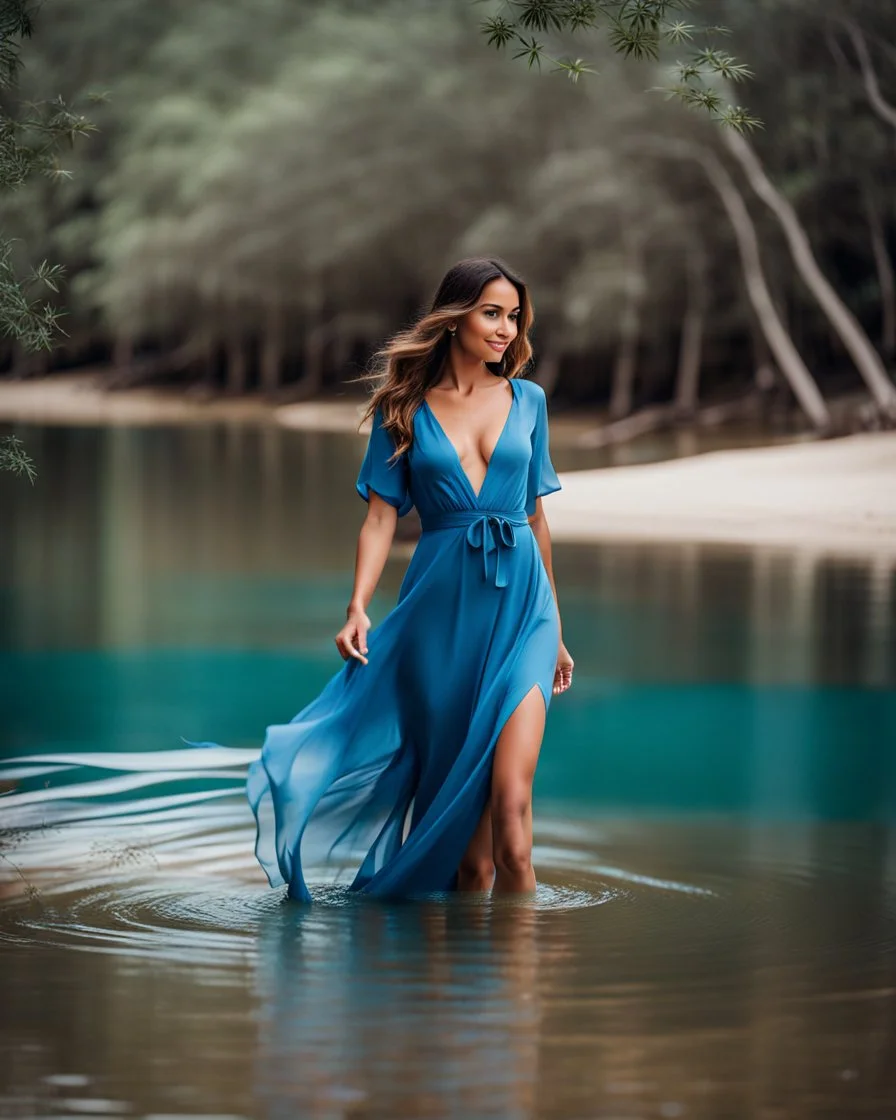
(452, 331)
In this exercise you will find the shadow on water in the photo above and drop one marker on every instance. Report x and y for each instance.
(714, 932)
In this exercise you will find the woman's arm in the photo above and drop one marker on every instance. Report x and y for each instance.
(374, 542)
(539, 524)
(565, 663)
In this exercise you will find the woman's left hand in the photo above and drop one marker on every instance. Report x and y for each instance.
(563, 673)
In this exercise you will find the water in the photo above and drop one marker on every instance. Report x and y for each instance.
(714, 929)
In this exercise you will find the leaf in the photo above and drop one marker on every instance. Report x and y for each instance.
(498, 31)
(640, 42)
(541, 15)
(574, 69)
(679, 32)
(740, 119)
(531, 50)
(13, 457)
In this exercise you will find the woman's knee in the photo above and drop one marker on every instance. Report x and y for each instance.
(512, 846)
(477, 868)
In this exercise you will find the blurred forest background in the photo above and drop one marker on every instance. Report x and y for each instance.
(275, 188)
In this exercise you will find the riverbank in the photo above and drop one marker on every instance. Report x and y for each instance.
(79, 398)
(834, 496)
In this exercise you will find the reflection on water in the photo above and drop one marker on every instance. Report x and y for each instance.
(664, 968)
(714, 932)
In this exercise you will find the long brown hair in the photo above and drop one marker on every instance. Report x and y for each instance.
(411, 362)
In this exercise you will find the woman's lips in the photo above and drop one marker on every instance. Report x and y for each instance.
(498, 345)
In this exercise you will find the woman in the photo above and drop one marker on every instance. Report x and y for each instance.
(412, 770)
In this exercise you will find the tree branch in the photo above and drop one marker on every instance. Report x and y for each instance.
(881, 106)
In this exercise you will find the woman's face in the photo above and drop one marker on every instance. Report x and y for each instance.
(491, 326)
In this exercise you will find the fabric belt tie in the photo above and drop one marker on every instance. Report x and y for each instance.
(487, 529)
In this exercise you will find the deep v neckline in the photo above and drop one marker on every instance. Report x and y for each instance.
(491, 458)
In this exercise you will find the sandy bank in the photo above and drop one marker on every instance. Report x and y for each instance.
(78, 398)
(833, 496)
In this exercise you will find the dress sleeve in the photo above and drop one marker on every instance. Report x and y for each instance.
(542, 476)
(389, 480)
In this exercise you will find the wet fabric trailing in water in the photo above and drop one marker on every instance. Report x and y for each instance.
(380, 780)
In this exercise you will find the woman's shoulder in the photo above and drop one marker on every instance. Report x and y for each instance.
(531, 392)
(529, 387)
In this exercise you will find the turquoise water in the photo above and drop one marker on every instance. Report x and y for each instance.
(715, 923)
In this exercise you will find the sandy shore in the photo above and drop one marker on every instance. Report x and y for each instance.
(78, 398)
(833, 496)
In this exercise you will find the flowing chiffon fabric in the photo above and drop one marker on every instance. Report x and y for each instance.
(379, 782)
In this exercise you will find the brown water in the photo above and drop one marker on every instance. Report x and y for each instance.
(714, 933)
(671, 969)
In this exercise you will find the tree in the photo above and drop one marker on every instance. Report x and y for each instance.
(28, 146)
(639, 27)
(854, 338)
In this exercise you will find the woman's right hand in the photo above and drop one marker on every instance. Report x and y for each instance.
(351, 641)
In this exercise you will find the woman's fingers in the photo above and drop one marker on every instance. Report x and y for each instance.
(351, 641)
(358, 643)
(562, 676)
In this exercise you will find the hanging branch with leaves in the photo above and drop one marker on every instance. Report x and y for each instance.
(639, 29)
(29, 144)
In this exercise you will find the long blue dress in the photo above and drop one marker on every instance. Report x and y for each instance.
(381, 780)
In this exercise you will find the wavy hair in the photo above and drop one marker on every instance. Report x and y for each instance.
(411, 362)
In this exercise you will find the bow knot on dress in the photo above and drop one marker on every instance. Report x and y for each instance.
(487, 530)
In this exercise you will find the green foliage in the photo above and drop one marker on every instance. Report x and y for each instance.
(13, 457)
(301, 173)
(635, 29)
(31, 321)
(29, 143)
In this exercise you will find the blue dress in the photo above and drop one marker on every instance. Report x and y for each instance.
(381, 780)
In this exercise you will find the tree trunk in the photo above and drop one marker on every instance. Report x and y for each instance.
(272, 350)
(838, 314)
(687, 386)
(791, 365)
(764, 375)
(885, 277)
(315, 346)
(625, 366)
(342, 350)
(780, 343)
(122, 352)
(883, 108)
(208, 357)
(237, 365)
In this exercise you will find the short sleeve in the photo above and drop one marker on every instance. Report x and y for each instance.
(389, 480)
(542, 476)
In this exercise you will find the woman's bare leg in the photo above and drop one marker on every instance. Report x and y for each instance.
(516, 756)
(477, 868)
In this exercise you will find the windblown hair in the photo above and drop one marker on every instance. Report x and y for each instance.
(411, 362)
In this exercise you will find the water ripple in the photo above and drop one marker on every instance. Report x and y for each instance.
(135, 855)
